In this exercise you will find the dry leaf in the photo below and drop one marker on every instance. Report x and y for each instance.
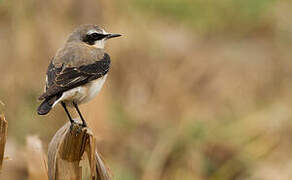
(66, 157)
(3, 136)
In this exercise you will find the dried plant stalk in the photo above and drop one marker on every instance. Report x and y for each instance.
(36, 159)
(3, 136)
(66, 157)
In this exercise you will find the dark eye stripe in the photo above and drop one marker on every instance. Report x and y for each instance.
(97, 36)
(91, 38)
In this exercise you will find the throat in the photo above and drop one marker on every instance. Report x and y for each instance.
(99, 44)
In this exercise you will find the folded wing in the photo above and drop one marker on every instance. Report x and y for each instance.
(60, 79)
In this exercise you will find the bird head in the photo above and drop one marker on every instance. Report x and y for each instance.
(92, 35)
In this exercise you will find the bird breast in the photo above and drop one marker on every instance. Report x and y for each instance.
(93, 88)
(82, 94)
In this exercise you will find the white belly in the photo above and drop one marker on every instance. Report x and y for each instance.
(82, 94)
(93, 88)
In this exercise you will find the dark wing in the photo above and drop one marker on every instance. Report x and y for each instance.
(62, 79)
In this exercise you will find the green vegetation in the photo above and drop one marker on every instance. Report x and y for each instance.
(211, 16)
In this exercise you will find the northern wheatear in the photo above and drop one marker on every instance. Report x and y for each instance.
(78, 71)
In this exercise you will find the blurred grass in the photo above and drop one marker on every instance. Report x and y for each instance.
(211, 16)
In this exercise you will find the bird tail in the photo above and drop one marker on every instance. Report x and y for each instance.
(45, 107)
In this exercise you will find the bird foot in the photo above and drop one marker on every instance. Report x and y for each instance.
(76, 127)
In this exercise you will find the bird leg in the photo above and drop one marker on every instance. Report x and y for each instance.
(83, 121)
(67, 112)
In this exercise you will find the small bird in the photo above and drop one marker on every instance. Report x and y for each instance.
(78, 71)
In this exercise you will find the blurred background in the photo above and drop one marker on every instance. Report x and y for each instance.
(197, 89)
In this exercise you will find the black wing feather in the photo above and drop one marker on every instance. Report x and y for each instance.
(62, 79)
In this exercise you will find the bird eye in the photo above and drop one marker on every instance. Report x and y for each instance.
(92, 37)
(97, 36)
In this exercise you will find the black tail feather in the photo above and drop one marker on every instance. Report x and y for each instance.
(44, 108)
(47, 104)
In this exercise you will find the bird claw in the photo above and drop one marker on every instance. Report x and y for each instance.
(76, 128)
